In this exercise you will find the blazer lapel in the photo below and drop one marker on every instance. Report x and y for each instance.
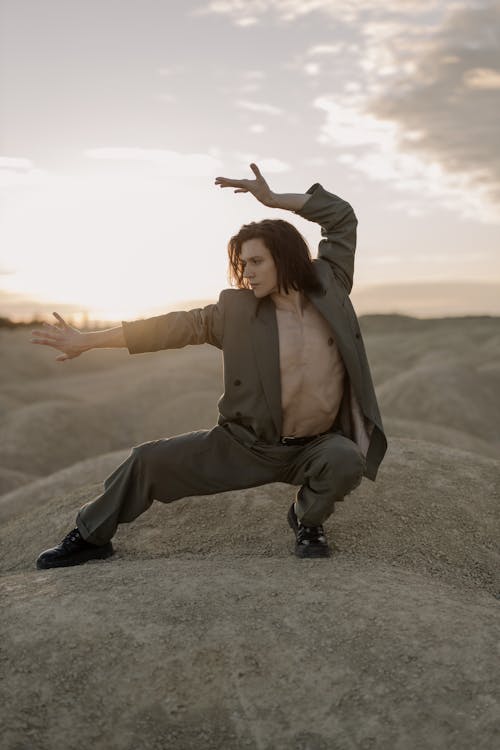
(265, 341)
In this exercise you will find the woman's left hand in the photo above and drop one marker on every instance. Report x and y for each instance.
(258, 187)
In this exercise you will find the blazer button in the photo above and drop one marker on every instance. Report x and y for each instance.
(358, 335)
(237, 382)
(330, 341)
(239, 414)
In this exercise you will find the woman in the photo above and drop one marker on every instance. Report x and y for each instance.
(298, 405)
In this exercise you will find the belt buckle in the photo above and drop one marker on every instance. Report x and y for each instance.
(294, 440)
(301, 440)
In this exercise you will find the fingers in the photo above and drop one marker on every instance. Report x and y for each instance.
(61, 320)
(50, 332)
(231, 182)
(243, 186)
(42, 339)
(50, 337)
(227, 182)
(48, 329)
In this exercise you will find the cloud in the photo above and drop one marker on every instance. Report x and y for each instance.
(252, 81)
(172, 163)
(268, 109)
(372, 146)
(312, 69)
(423, 88)
(248, 88)
(482, 78)
(450, 97)
(419, 109)
(260, 74)
(15, 164)
(347, 125)
(169, 98)
(314, 161)
(266, 164)
(171, 70)
(246, 21)
(20, 172)
(291, 10)
(325, 49)
(273, 166)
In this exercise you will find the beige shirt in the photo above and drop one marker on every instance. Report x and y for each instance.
(312, 370)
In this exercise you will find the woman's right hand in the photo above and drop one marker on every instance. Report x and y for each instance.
(63, 337)
(258, 187)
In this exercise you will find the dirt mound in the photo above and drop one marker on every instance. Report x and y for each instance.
(434, 510)
(63, 419)
(449, 394)
(39, 491)
(204, 630)
(273, 653)
(441, 373)
(441, 435)
(10, 479)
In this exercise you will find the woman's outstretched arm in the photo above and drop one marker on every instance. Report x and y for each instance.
(72, 342)
(261, 190)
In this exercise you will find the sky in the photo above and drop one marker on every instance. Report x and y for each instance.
(117, 115)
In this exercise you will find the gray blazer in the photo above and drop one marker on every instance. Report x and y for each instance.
(245, 329)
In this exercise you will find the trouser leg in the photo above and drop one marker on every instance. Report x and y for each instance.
(197, 463)
(328, 470)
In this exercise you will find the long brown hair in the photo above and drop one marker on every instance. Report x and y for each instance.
(288, 248)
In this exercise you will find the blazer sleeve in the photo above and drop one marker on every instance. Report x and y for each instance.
(338, 229)
(174, 330)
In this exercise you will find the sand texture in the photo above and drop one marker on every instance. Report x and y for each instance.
(204, 630)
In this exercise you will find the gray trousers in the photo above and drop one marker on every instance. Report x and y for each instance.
(210, 461)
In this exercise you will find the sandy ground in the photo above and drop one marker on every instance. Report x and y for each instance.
(204, 630)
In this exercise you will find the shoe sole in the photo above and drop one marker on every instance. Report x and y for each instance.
(80, 559)
(305, 550)
(311, 551)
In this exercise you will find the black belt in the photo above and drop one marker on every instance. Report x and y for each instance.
(301, 440)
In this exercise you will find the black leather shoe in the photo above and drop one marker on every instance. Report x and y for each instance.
(73, 550)
(310, 540)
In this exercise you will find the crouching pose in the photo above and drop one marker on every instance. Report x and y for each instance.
(298, 406)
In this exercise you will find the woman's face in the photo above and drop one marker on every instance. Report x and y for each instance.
(259, 267)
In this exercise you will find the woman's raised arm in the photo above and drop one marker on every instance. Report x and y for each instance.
(261, 190)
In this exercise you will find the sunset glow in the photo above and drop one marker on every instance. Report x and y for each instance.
(109, 206)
